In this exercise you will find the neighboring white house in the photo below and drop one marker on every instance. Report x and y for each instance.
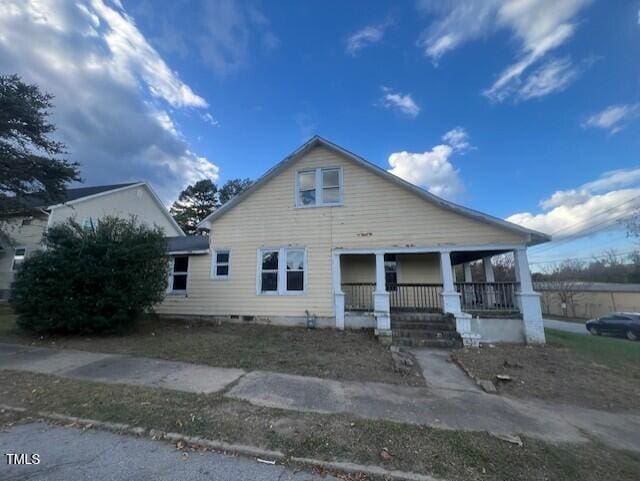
(27, 228)
(326, 234)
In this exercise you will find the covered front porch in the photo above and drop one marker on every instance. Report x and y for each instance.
(379, 284)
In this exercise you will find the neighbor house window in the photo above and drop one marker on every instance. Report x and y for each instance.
(282, 271)
(18, 257)
(221, 262)
(321, 186)
(178, 272)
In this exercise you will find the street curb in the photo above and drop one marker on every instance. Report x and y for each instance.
(242, 449)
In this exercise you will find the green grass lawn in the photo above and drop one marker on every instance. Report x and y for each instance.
(615, 352)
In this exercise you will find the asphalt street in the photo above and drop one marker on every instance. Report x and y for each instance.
(70, 454)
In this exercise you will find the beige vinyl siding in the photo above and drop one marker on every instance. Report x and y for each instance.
(124, 203)
(375, 213)
(29, 236)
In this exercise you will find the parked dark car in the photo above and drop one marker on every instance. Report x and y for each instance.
(617, 323)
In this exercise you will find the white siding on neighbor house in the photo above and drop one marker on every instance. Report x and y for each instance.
(29, 236)
(375, 213)
(123, 203)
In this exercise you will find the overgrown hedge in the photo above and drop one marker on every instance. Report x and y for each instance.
(91, 280)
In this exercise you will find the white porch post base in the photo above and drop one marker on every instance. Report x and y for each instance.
(338, 299)
(451, 302)
(532, 317)
(463, 326)
(381, 312)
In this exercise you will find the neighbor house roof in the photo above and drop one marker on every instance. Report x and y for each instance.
(36, 200)
(79, 194)
(535, 237)
(194, 244)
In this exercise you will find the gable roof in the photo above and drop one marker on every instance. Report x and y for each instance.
(81, 194)
(37, 201)
(535, 237)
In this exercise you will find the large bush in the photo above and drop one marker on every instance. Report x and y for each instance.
(91, 279)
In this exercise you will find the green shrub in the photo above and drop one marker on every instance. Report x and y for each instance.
(91, 279)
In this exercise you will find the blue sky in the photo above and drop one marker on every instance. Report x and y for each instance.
(525, 109)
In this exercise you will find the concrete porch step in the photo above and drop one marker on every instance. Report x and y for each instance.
(421, 342)
(425, 334)
(421, 316)
(423, 325)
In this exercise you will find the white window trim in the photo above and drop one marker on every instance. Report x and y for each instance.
(214, 255)
(319, 191)
(170, 289)
(24, 256)
(282, 271)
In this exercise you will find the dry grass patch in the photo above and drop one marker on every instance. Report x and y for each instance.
(599, 373)
(327, 353)
(452, 455)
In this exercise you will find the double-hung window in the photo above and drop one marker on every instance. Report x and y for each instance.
(282, 271)
(18, 257)
(178, 273)
(221, 262)
(318, 187)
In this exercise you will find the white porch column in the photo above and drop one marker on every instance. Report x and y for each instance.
(381, 305)
(450, 298)
(338, 295)
(467, 272)
(488, 269)
(451, 301)
(488, 278)
(529, 300)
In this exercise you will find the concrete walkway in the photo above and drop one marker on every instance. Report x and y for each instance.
(450, 400)
(566, 326)
(119, 369)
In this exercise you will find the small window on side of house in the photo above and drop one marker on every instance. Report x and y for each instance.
(178, 273)
(269, 271)
(221, 263)
(19, 254)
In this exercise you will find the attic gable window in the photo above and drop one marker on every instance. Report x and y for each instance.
(319, 187)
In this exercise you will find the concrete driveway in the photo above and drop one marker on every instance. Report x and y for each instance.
(574, 327)
(70, 454)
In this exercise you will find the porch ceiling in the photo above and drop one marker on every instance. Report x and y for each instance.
(461, 257)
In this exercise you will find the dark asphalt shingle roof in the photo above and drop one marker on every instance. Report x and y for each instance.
(36, 200)
(187, 243)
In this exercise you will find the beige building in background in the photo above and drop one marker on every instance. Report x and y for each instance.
(27, 228)
(586, 300)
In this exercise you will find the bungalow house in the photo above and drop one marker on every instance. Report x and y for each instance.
(327, 237)
(27, 226)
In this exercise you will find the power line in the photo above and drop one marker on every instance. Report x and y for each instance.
(581, 233)
(596, 215)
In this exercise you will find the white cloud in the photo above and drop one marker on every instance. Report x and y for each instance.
(404, 103)
(553, 76)
(433, 169)
(364, 37)
(538, 26)
(579, 211)
(458, 139)
(112, 91)
(224, 35)
(614, 118)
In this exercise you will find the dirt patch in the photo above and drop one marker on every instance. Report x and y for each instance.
(327, 353)
(556, 374)
(451, 455)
